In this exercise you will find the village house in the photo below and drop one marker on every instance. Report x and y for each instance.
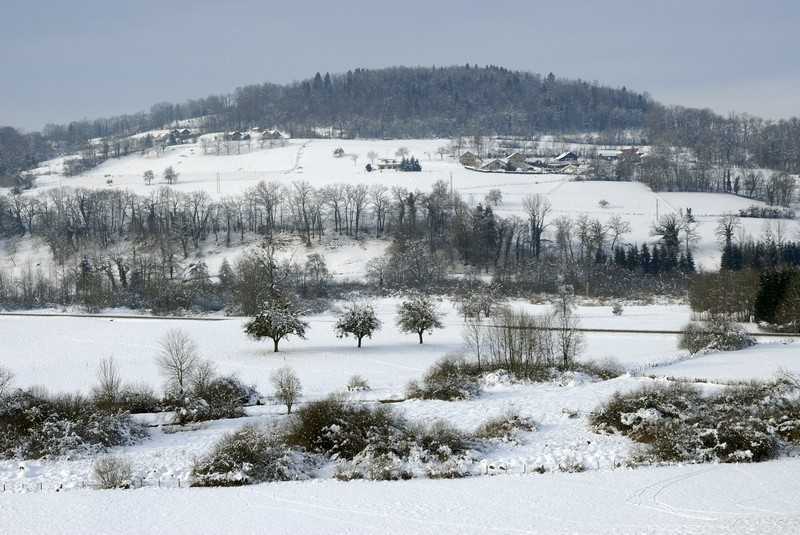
(609, 155)
(388, 163)
(567, 157)
(497, 164)
(469, 159)
(516, 160)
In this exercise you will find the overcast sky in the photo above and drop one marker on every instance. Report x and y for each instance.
(63, 60)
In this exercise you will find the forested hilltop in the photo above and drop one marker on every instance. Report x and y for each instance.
(425, 102)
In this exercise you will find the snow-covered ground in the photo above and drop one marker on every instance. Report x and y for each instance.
(688, 500)
(61, 353)
(64, 356)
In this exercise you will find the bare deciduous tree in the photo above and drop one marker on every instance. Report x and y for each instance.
(109, 382)
(177, 360)
(287, 386)
(538, 209)
(726, 228)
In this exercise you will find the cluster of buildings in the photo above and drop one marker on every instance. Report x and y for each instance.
(567, 162)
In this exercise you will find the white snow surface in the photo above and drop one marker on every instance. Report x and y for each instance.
(690, 500)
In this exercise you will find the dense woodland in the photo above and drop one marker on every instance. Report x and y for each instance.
(442, 102)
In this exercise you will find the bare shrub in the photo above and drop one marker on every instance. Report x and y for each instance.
(357, 383)
(505, 427)
(449, 379)
(112, 473)
(109, 383)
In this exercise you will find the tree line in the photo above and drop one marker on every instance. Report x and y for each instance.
(114, 247)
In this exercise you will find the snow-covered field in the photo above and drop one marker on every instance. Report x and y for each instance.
(313, 161)
(757, 499)
(64, 357)
(61, 353)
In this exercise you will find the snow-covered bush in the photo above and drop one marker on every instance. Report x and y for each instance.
(448, 379)
(34, 425)
(435, 451)
(604, 369)
(338, 428)
(112, 473)
(250, 455)
(678, 424)
(571, 464)
(215, 398)
(374, 443)
(718, 335)
(138, 398)
(616, 308)
(506, 427)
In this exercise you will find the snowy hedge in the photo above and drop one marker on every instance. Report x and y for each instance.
(250, 455)
(34, 425)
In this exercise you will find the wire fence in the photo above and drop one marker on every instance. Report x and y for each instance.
(27, 487)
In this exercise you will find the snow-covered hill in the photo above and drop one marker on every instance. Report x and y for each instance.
(313, 161)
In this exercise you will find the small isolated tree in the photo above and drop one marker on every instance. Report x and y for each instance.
(277, 319)
(419, 315)
(402, 152)
(441, 151)
(358, 320)
(287, 386)
(109, 382)
(177, 360)
(149, 176)
(170, 175)
(372, 156)
(569, 340)
(475, 337)
(494, 197)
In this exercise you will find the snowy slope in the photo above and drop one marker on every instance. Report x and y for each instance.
(689, 500)
(313, 161)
